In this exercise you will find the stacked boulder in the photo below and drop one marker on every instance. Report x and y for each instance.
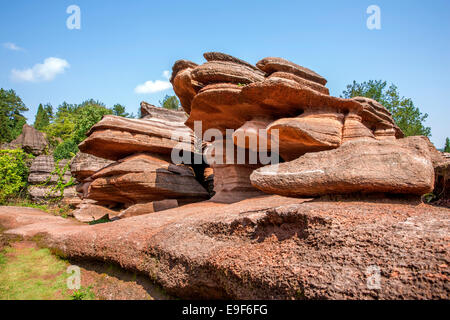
(140, 175)
(331, 145)
(30, 140)
(83, 166)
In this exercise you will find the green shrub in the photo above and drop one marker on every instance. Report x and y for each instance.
(13, 173)
(87, 116)
(65, 150)
(83, 294)
(61, 184)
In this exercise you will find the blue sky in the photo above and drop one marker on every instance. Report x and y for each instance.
(123, 44)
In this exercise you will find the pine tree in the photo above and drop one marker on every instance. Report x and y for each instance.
(39, 117)
(43, 116)
(11, 115)
(447, 145)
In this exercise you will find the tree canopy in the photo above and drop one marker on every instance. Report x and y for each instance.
(170, 102)
(447, 145)
(119, 110)
(11, 115)
(70, 125)
(44, 116)
(407, 116)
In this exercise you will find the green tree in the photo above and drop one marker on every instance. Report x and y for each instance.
(11, 115)
(119, 110)
(87, 116)
(170, 102)
(62, 127)
(91, 102)
(407, 116)
(447, 145)
(71, 123)
(43, 116)
(66, 108)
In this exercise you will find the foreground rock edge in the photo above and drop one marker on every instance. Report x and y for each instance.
(266, 248)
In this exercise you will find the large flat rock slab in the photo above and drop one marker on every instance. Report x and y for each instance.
(270, 247)
(29, 222)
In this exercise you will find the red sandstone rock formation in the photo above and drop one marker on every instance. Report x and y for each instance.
(31, 140)
(144, 171)
(84, 165)
(266, 248)
(286, 108)
(149, 207)
(43, 177)
(89, 211)
(116, 137)
(358, 166)
(145, 178)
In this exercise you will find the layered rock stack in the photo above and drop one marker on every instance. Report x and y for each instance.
(331, 145)
(43, 177)
(141, 175)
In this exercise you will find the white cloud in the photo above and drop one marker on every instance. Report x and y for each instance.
(166, 74)
(12, 46)
(46, 71)
(154, 86)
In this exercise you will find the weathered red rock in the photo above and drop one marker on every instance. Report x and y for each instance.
(376, 117)
(184, 85)
(310, 132)
(271, 65)
(252, 135)
(71, 197)
(219, 56)
(287, 104)
(225, 72)
(181, 65)
(149, 111)
(84, 165)
(116, 137)
(302, 81)
(40, 170)
(88, 212)
(43, 177)
(266, 248)
(231, 176)
(228, 106)
(42, 194)
(31, 140)
(149, 207)
(399, 166)
(144, 178)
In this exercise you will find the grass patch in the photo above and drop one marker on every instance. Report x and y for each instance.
(2, 260)
(26, 203)
(32, 274)
(83, 294)
(52, 207)
(105, 219)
